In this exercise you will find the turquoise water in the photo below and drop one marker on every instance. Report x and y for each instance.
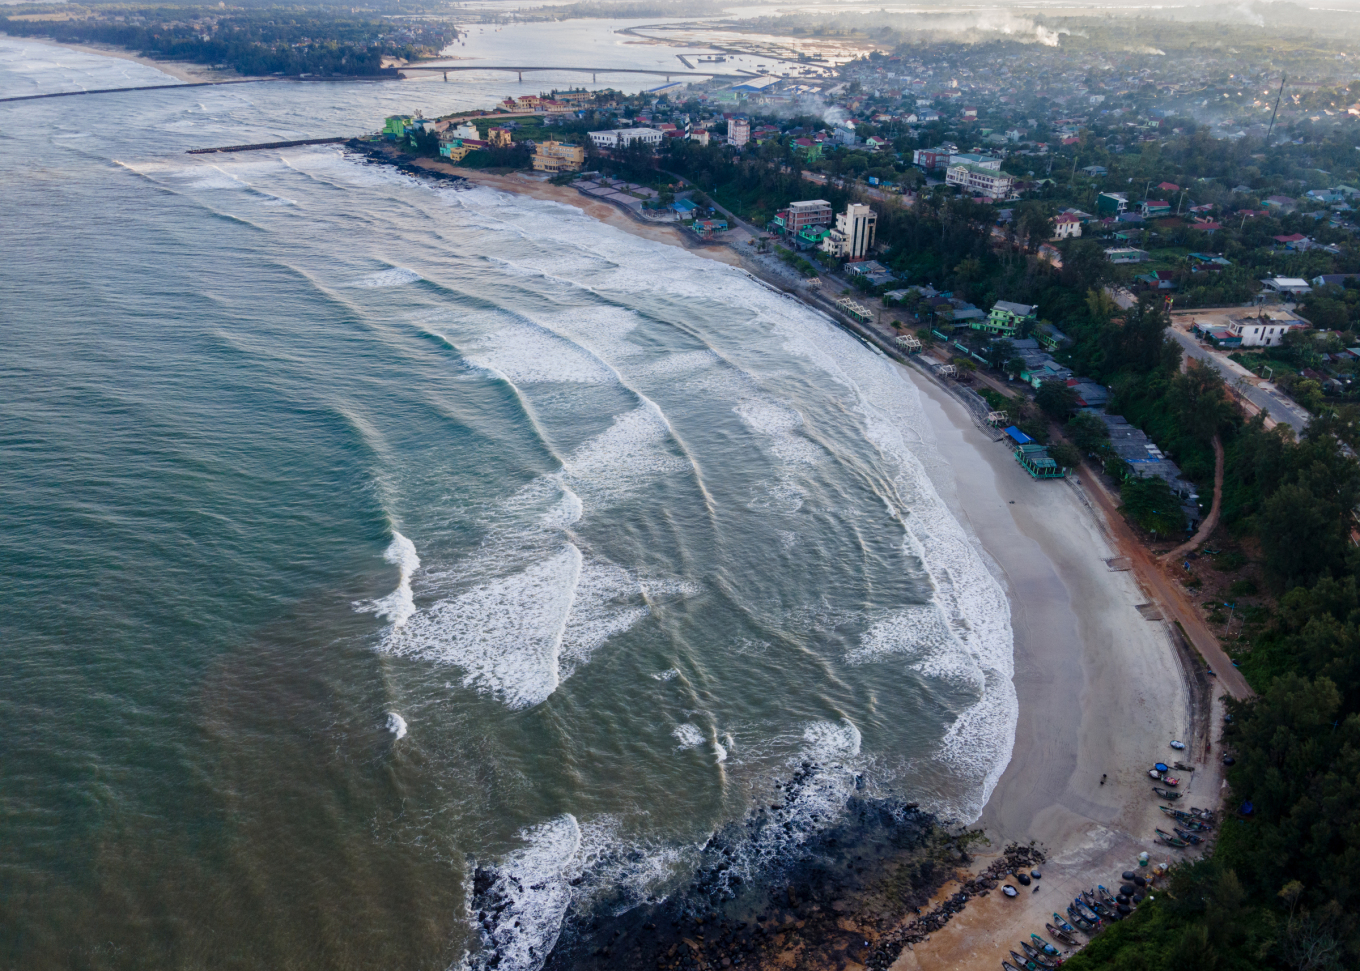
(359, 531)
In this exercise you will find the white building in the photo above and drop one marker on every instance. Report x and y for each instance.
(985, 182)
(1263, 331)
(699, 136)
(988, 162)
(1292, 285)
(1066, 225)
(619, 137)
(466, 130)
(738, 131)
(853, 236)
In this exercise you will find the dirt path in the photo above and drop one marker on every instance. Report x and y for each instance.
(1164, 590)
(1210, 521)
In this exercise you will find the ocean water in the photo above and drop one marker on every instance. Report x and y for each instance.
(360, 531)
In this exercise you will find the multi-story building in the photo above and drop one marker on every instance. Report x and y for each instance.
(853, 236)
(1006, 318)
(1111, 203)
(699, 136)
(1066, 225)
(738, 131)
(812, 212)
(933, 158)
(984, 182)
(453, 149)
(619, 137)
(552, 156)
(499, 137)
(988, 162)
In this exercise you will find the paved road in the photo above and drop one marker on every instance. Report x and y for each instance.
(1266, 399)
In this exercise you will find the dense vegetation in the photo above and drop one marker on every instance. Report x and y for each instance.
(278, 40)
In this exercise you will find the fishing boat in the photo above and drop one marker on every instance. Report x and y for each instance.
(1166, 793)
(1170, 840)
(1061, 924)
(1186, 835)
(1087, 913)
(1043, 945)
(1007, 966)
(1036, 956)
(1086, 926)
(1065, 936)
(1024, 962)
(1104, 894)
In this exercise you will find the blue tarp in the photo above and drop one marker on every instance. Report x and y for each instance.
(1020, 437)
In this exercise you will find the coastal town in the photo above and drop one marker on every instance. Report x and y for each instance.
(1137, 266)
(646, 484)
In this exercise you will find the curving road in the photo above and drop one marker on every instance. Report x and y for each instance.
(1268, 399)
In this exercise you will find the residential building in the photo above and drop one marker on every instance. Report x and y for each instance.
(980, 181)
(699, 136)
(1111, 203)
(1262, 331)
(466, 130)
(620, 137)
(738, 131)
(978, 161)
(853, 236)
(810, 212)
(454, 149)
(1126, 254)
(1291, 285)
(1066, 225)
(1334, 279)
(553, 156)
(1006, 318)
(933, 158)
(499, 137)
(1151, 209)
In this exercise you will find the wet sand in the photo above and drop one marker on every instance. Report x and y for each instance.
(1102, 691)
(182, 70)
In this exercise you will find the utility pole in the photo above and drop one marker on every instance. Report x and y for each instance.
(1277, 109)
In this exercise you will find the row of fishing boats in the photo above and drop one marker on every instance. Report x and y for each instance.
(1088, 913)
(1187, 826)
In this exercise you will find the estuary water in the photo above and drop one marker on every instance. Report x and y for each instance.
(360, 531)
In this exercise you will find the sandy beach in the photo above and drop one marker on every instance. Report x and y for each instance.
(1103, 687)
(1102, 692)
(182, 70)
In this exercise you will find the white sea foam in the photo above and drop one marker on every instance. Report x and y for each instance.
(688, 736)
(826, 740)
(395, 277)
(667, 675)
(720, 751)
(398, 606)
(563, 861)
(525, 353)
(396, 725)
(533, 884)
(779, 423)
(506, 635)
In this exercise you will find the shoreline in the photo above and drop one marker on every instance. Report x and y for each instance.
(179, 70)
(1102, 688)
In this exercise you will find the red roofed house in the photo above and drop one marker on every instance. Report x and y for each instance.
(1066, 225)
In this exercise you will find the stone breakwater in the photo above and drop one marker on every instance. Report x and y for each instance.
(1014, 858)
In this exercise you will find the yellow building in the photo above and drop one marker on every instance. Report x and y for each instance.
(554, 156)
(453, 149)
(498, 137)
